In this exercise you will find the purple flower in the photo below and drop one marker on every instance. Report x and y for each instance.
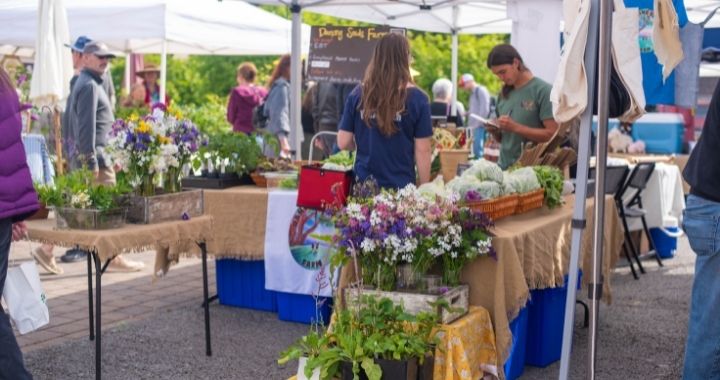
(185, 216)
(21, 79)
(473, 195)
(158, 105)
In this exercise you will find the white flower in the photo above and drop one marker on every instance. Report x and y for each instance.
(80, 200)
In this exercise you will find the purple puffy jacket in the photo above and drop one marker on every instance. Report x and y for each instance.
(18, 199)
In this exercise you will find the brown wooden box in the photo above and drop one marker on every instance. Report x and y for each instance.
(415, 303)
(165, 207)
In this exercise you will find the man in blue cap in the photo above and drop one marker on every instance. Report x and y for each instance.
(44, 254)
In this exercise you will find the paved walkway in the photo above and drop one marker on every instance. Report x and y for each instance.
(125, 296)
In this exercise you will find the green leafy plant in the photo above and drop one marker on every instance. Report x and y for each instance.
(551, 179)
(377, 329)
(236, 152)
(77, 190)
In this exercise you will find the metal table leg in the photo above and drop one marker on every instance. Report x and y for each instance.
(206, 299)
(90, 296)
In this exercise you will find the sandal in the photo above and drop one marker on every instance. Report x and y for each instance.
(48, 264)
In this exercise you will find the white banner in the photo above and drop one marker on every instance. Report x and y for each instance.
(296, 250)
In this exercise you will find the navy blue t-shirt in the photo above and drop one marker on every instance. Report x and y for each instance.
(390, 160)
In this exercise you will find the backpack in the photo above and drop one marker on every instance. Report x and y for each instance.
(259, 117)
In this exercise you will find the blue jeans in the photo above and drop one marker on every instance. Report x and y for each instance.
(478, 142)
(11, 361)
(701, 222)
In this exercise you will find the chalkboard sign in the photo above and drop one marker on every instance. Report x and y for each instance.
(340, 54)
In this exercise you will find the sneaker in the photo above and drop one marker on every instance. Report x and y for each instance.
(73, 255)
(48, 264)
(120, 264)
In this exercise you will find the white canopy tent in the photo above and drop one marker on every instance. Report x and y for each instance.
(163, 27)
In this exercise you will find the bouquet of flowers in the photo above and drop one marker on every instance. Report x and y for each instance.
(413, 227)
(156, 147)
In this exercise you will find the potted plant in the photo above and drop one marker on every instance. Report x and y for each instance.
(307, 348)
(376, 341)
(152, 151)
(81, 204)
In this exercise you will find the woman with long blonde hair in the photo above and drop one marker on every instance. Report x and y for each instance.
(387, 119)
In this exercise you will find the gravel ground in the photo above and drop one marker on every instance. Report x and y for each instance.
(642, 336)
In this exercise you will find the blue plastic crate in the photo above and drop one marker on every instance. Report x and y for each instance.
(303, 308)
(242, 284)
(665, 245)
(515, 363)
(546, 316)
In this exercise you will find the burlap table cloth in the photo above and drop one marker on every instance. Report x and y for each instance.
(239, 215)
(533, 252)
(170, 239)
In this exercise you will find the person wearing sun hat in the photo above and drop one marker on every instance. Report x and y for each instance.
(148, 92)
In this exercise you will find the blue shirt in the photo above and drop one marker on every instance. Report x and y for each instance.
(390, 160)
(656, 92)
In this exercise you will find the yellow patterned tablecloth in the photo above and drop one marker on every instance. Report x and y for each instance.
(467, 348)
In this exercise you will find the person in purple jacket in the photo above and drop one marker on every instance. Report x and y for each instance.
(243, 98)
(18, 200)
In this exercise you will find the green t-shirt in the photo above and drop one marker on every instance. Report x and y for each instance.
(529, 105)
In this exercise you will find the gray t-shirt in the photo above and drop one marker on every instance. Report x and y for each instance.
(479, 104)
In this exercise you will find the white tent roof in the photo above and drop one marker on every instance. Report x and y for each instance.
(140, 26)
(473, 16)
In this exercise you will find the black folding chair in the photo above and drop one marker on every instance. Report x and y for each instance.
(615, 177)
(636, 183)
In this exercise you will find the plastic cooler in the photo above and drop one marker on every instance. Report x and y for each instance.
(515, 363)
(242, 284)
(303, 308)
(661, 132)
(546, 315)
(665, 239)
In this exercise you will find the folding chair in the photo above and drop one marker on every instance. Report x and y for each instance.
(615, 177)
(634, 208)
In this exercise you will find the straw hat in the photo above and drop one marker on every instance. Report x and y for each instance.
(149, 68)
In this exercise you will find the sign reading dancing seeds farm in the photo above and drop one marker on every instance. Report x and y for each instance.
(340, 54)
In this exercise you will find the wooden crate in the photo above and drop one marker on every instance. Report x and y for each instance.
(415, 303)
(165, 207)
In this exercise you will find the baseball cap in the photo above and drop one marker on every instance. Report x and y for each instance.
(99, 49)
(79, 44)
(466, 78)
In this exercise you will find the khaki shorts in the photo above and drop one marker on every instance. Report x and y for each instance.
(106, 176)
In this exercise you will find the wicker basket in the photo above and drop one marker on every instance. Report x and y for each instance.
(496, 208)
(530, 201)
(258, 179)
(449, 160)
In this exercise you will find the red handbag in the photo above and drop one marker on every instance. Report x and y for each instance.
(320, 188)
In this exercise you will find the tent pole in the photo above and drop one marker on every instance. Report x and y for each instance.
(579, 217)
(596, 284)
(163, 71)
(128, 60)
(296, 132)
(454, 63)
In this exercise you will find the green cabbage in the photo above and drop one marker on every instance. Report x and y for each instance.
(484, 170)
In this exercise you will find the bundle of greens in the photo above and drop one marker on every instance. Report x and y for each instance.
(551, 179)
(342, 161)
